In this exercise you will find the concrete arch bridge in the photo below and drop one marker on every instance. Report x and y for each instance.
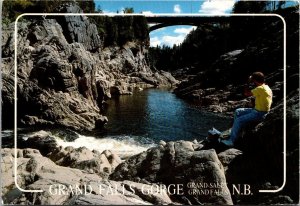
(159, 21)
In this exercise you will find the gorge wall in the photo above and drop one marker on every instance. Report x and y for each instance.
(65, 72)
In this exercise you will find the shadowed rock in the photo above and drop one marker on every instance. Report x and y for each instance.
(178, 163)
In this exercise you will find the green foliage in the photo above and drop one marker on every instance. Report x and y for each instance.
(113, 30)
(247, 27)
(111, 34)
(140, 28)
(128, 10)
(249, 7)
(125, 28)
(11, 9)
(258, 6)
(120, 29)
(88, 6)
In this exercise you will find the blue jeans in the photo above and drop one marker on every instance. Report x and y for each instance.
(242, 117)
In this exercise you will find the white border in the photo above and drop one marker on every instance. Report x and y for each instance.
(152, 15)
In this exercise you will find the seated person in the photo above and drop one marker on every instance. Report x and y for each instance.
(243, 116)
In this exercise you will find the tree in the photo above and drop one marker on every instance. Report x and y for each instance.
(11, 9)
(113, 30)
(111, 37)
(250, 7)
(88, 6)
(99, 9)
(126, 31)
(128, 10)
(140, 28)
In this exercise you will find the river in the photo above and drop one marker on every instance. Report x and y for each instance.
(159, 115)
(139, 121)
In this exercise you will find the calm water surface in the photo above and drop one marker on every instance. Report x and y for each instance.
(156, 115)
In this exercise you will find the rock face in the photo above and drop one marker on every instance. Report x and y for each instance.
(65, 73)
(55, 80)
(227, 156)
(63, 185)
(179, 163)
(79, 29)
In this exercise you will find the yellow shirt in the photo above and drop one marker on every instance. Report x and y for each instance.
(263, 98)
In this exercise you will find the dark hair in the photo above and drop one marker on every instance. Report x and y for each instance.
(258, 77)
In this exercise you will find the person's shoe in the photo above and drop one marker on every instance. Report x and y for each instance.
(225, 134)
(228, 142)
(214, 132)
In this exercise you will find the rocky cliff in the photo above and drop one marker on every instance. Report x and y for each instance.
(64, 72)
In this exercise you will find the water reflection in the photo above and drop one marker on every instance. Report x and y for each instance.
(159, 115)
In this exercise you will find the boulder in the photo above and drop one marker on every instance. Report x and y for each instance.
(90, 161)
(63, 185)
(166, 78)
(227, 156)
(180, 164)
(7, 168)
(41, 140)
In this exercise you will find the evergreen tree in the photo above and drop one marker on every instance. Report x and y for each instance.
(113, 30)
(128, 10)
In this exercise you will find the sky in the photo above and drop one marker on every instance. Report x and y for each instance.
(173, 34)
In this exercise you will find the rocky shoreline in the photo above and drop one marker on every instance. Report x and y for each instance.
(141, 179)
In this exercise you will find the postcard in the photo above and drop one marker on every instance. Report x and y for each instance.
(150, 102)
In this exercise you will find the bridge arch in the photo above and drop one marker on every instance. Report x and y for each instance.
(162, 25)
(165, 21)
